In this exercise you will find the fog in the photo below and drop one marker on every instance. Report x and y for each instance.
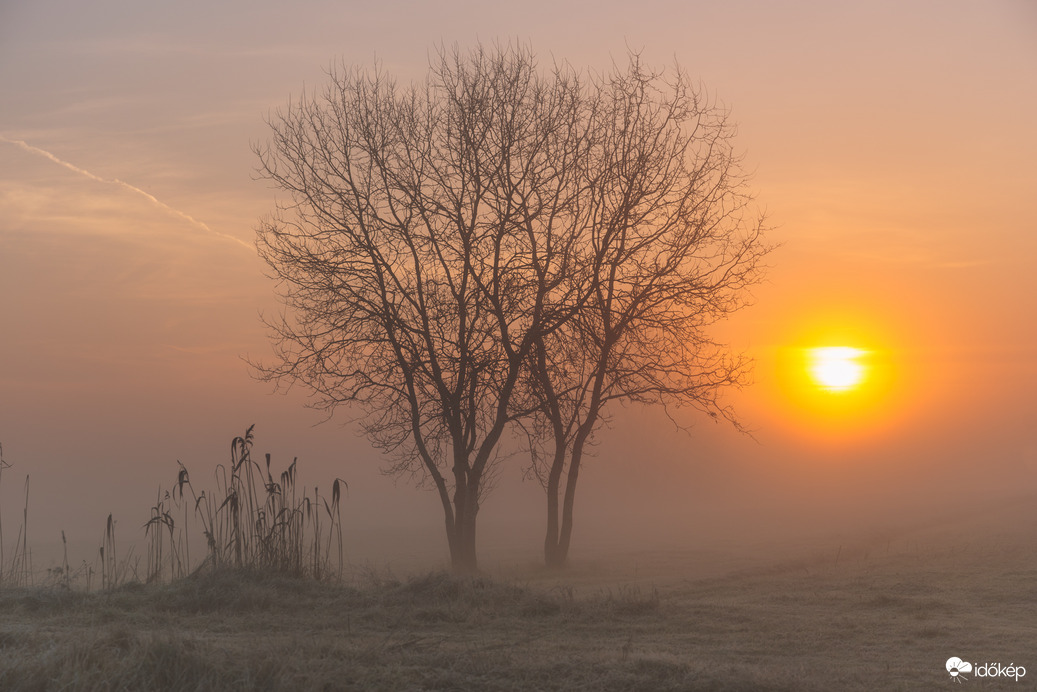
(128, 304)
(649, 487)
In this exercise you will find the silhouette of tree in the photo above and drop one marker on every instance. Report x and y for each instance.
(500, 246)
(672, 246)
(426, 248)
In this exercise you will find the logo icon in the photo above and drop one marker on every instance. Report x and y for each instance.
(956, 666)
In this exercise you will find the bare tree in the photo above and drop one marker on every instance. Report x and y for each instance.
(427, 247)
(499, 246)
(672, 246)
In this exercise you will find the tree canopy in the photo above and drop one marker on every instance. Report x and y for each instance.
(502, 247)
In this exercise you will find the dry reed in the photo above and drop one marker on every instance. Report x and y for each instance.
(249, 521)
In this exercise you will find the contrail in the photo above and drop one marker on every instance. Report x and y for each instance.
(115, 181)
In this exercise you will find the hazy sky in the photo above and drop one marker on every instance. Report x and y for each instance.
(892, 146)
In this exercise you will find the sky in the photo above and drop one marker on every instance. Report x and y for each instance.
(891, 146)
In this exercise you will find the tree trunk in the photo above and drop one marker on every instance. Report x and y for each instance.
(553, 557)
(566, 528)
(463, 560)
(462, 538)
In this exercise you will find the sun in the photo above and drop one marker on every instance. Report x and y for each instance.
(841, 376)
(837, 368)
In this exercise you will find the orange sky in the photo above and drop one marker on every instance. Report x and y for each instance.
(893, 148)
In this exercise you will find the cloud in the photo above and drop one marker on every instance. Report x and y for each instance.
(126, 186)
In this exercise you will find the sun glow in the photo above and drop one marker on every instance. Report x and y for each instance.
(838, 383)
(836, 368)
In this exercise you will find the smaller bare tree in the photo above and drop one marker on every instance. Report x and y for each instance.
(671, 249)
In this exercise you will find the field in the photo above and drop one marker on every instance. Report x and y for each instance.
(878, 615)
